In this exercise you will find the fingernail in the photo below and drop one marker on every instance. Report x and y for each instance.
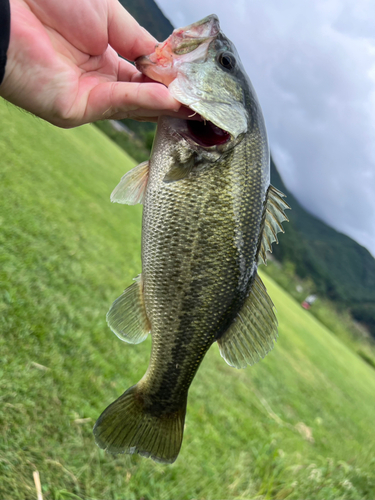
(149, 35)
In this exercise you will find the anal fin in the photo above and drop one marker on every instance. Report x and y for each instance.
(254, 331)
(127, 316)
(131, 189)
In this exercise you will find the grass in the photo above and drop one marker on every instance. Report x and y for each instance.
(297, 425)
(336, 318)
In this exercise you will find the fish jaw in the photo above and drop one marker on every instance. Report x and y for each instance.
(183, 46)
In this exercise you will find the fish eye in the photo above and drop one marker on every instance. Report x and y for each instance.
(227, 60)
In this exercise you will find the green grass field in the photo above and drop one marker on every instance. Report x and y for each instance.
(298, 425)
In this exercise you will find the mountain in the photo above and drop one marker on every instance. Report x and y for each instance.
(341, 269)
(150, 17)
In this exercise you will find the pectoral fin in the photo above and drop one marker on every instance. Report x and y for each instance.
(127, 316)
(251, 336)
(179, 171)
(131, 189)
(274, 215)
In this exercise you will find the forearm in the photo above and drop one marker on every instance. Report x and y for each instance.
(4, 35)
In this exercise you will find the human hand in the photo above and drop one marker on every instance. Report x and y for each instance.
(63, 64)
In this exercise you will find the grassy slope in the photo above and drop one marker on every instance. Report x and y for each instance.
(66, 252)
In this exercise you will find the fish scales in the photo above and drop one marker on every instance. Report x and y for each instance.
(208, 217)
(197, 232)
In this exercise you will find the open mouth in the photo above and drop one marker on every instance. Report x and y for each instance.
(206, 134)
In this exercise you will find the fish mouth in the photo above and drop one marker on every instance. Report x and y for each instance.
(184, 45)
(205, 134)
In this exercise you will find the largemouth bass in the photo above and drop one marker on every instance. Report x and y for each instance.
(209, 215)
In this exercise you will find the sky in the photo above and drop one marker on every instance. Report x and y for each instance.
(313, 67)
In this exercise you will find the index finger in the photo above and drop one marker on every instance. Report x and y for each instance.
(125, 35)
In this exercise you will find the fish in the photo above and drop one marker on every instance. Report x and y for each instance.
(209, 217)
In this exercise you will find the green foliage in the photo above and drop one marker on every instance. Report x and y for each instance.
(366, 314)
(299, 424)
(137, 147)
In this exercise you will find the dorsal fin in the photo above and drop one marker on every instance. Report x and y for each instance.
(253, 332)
(274, 215)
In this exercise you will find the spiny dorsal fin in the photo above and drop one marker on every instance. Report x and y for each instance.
(251, 336)
(273, 217)
(127, 316)
(131, 189)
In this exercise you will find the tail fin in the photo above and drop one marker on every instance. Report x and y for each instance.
(126, 427)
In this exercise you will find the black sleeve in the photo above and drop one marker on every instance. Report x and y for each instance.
(4, 35)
